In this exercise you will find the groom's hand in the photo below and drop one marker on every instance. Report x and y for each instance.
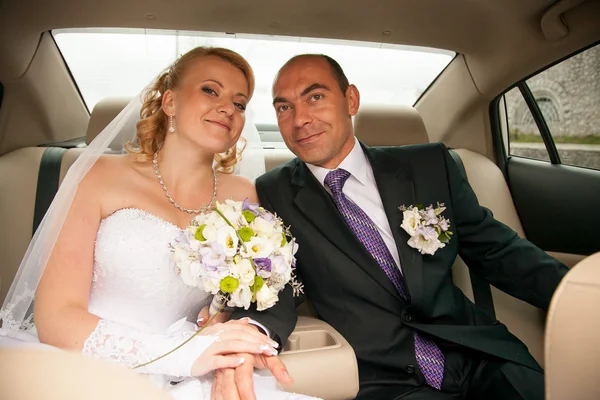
(238, 384)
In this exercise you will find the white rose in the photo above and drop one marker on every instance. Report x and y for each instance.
(431, 246)
(242, 297)
(263, 226)
(233, 205)
(287, 252)
(227, 240)
(425, 246)
(194, 245)
(210, 233)
(230, 211)
(211, 258)
(243, 271)
(411, 221)
(216, 274)
(276, 239)
(190, 274)
(200, 219)
(281, 267)
(180, 255)
(265, 298)
(211, 285)
(257, 247)
(215, 220)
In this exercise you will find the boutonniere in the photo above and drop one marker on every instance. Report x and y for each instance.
(428, 229)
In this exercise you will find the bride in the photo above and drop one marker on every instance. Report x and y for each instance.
(109, 288)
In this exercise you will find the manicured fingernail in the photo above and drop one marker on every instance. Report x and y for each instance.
(264, 347)
(241, 360)
(200, 320)
(274, 343)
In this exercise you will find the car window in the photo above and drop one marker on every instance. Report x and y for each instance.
(566, 100)
(107, 62)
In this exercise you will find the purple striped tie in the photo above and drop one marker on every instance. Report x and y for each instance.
(429, 356)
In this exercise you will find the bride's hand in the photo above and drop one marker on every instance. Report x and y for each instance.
(203, 317)
(233, 337)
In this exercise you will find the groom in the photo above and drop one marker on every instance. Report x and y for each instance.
(415, 335)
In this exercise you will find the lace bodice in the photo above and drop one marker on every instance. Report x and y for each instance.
(135, 280)
(142, 302)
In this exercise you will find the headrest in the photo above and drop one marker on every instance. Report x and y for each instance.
(103, 113)
(572, 353)
(389, 126)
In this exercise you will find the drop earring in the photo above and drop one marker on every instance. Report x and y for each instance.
(171, 127)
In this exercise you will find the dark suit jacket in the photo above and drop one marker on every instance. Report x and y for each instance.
(351, 292)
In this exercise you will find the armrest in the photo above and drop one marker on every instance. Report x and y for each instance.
(321, 361)
(29, 373)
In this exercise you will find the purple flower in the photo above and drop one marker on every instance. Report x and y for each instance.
(267, 216)
(444, 225)
(263, 267)
(430, 217)
(428, 232)
(211, 257)
(247, 206)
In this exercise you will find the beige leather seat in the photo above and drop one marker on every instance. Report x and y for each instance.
(18, 179)
(572, 350)
(402, 125)
(32, 374)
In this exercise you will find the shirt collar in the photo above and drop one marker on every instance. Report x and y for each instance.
(355, 162)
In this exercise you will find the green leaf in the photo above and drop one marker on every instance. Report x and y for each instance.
(258, 284)
(198, 235)
(420, 206)
(443, 237)
(283, 239)
(248, 215)
(246, 234)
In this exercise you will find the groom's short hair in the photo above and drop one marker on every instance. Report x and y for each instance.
(336, 69)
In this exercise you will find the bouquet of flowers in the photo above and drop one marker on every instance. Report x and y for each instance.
(240, 253)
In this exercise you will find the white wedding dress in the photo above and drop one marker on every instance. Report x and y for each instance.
(145, 307)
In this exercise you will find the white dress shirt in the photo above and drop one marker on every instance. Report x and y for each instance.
(361, 189)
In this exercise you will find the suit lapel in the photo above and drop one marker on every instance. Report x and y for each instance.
(396, 189)
(318, 207)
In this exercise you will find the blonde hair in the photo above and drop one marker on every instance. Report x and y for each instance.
(151, 129)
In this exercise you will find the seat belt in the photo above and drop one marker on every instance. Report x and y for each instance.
(47, 185)
(482, 293)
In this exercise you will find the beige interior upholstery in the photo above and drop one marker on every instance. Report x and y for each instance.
(103, 113)
(572, 351)
(521, 318)
(18, 180)
(275, 157)
(33, 374)
(321, 361)
(395, 125)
